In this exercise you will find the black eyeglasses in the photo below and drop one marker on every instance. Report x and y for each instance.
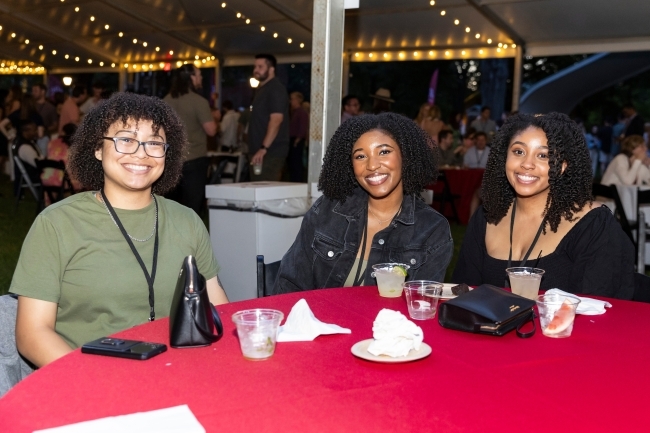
(129, 146)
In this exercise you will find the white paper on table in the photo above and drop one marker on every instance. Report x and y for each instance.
(587, 306)
(177, 419)
(302, 325)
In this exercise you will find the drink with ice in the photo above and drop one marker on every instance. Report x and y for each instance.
(525, 281)
(390, 277)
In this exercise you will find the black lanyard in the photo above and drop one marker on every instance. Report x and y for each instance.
(152, 277)
(364, 238)
(530, 250)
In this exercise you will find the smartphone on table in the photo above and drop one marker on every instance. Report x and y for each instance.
(117, 347)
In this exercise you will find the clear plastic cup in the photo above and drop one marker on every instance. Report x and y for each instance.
(390, 277)
(257, 169)
(525, 281)
(422, 298)
(257, 331)
(557, 314)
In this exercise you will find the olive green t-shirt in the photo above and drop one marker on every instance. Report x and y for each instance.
(194, 111)
(74, 255)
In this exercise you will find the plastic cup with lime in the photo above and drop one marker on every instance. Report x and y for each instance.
(390, 277)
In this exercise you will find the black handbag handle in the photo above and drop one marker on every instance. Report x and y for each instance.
(206, 333)
(531, 318)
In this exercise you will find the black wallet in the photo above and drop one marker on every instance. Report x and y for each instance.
(488, 310)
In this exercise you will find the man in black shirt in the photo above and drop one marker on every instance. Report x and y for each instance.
(268, 130)
(635, 124)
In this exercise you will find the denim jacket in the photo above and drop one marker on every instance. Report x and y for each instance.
(328, 242)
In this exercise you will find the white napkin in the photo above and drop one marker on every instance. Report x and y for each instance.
(302, 325)
(394, 334)
(587, 306)
(178, 419)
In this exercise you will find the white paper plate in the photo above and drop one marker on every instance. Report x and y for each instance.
(360, 350)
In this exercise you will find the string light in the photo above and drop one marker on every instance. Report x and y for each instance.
(443, 13)
(40, 47)
(120, 34)
(489, 41)
(467, 29)
(171, 53)
(76, 9)
(144, 44)
(262, 28)
(90, 61)
(135, 41)
(432, 2)
(302, 45)
(478, 35)
(92, 18)
(107, 26)
(67, 56)
(223, 5)
(248, 21)
(54, 52)
(456, 22)
(76, 59)
(27, 41)
(157, 48)
(289, 41)
(238, 15)
(101, 63)
(13, 35)
(275, 35)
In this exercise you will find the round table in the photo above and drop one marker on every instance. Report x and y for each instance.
(596, 380)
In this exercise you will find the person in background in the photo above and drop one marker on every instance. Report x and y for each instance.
(298, 131)
(484, 124)
(467, 143)
(448, 157)
(634, 121)
(77, 278)
(58, 150)
(27, 151)
(351, 107)
(371, 210)
(477, 156)
(429, 119)
(13, 98)
(605, 137)
(268, 130)
(537, 203)
(27, 111)
(70, 112)
(593, 144)
(630, 167)
(58, 99)
(46, 110)
(618, 131)
(381, 101)
(98, 88)
(228, 127)
(194, 111)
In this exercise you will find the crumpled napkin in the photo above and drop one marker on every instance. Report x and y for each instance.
(587, 306)
(302, 325)
(394, 335)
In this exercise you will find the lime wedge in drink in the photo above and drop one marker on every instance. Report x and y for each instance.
(399, 270)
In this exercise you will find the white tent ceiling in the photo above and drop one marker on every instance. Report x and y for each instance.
(388, 29)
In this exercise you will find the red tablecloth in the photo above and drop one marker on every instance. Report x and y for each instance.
(464, 182)
(596, 380)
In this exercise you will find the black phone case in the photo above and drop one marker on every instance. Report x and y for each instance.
(130, 349)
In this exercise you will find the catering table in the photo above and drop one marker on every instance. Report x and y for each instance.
(596, 380)
(464, 182)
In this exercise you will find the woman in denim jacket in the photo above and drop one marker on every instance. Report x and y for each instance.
(371, 211)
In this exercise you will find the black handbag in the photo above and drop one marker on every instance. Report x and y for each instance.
(488, 310)
(192, 319)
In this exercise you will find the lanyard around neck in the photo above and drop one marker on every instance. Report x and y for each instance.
(358, 278)
(150, 278)
(512, 225)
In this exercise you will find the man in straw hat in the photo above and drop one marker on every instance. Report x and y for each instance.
(382, 101)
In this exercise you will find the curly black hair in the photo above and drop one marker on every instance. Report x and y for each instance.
(121, 107)
(420, 154)
(569, 192)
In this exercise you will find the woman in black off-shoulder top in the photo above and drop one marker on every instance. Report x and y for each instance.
(539, 169)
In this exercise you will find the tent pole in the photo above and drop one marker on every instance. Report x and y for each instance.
(516, 80)
(326, 72)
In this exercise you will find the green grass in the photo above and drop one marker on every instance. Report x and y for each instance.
(15, 223)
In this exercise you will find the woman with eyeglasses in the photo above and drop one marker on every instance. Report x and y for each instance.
(107, 259)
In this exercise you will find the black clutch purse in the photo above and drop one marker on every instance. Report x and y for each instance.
(192, 319)
(488, 310)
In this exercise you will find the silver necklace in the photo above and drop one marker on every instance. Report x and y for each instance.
(384, 221)
(101, 198)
